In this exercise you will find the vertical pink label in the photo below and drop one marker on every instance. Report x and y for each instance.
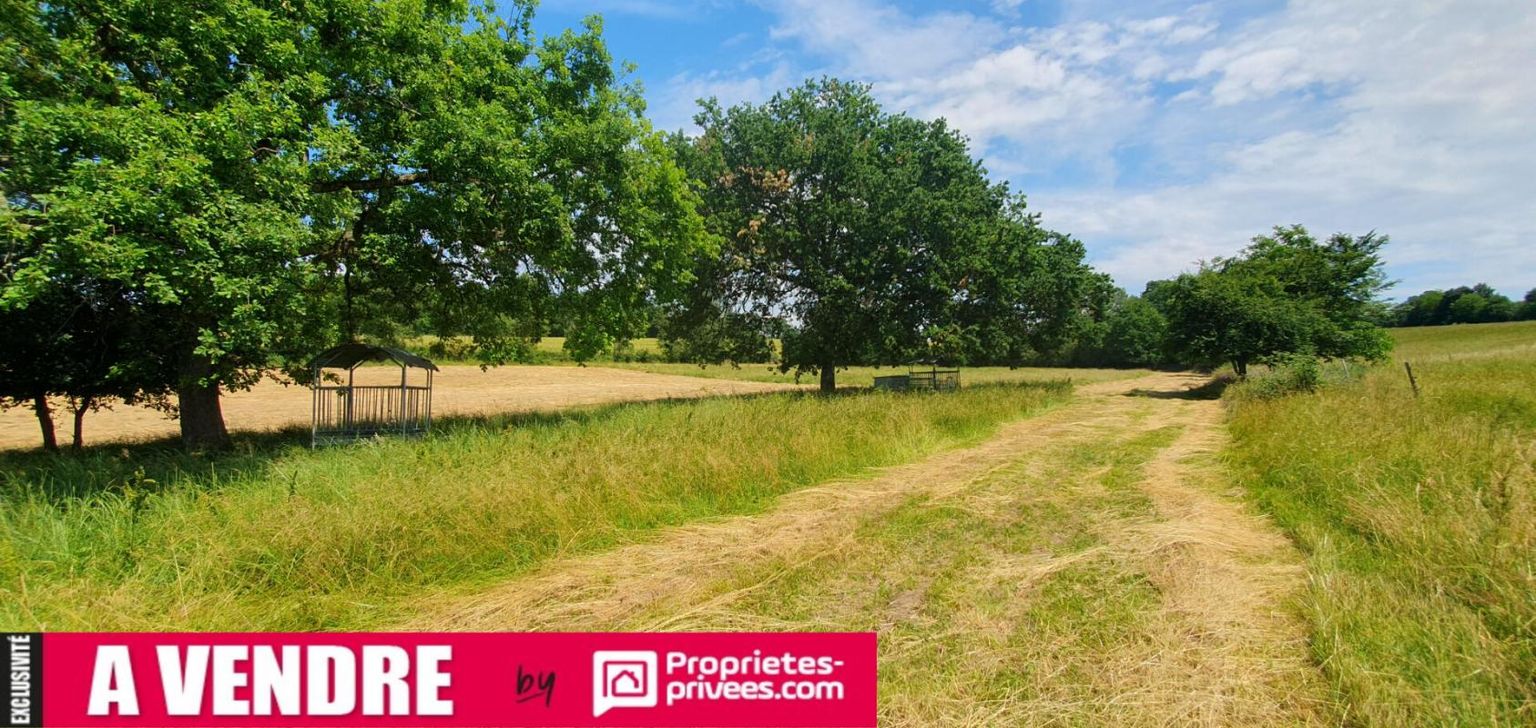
(456, 679)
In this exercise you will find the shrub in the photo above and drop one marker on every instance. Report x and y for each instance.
(1288, 374)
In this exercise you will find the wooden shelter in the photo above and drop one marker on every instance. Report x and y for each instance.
(344, 410)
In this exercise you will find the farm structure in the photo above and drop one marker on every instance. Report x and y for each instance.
(350, 411)
(922, 376)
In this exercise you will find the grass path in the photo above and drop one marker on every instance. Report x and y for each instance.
(1084, 566)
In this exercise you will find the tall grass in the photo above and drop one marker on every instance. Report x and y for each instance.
(279, 537)
(1417, 518)
(1465, 340)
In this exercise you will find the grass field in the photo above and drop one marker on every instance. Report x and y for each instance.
(1088, 566)
(1092, 564)
(286, 538)
(1418, 520)
(865, 376)
(551, 350)
(1422, 343)
(547, 350)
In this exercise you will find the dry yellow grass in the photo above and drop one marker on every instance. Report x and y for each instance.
(458, 391)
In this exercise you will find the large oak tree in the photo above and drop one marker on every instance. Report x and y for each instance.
(1286, 293)
(860, 236)
(258, 179)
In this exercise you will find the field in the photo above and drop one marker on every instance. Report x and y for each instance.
(281, 537)
(1429, 343)
(1416, 517)
(459, 391)
(464, 390)
(1082, 566)
(865, 376)
(1132, 548)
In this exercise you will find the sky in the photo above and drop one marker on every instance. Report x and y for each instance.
(1165, 133)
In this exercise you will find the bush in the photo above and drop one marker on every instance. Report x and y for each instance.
(1288, 374)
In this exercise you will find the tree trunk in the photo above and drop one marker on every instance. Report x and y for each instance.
(202, 418)
(828, 378)
(1241, 367)
(45, 420)
(81, 407)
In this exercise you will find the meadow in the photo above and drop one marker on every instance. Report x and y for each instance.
(275, 536)
(864, 376)
(1414, 515)
(1417, 518)
(645, 355)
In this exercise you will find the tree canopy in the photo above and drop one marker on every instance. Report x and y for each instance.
(249, 182)
(1288, 292)
(861, 236)
(1117, 331)
(1461, 305)
(200, 195)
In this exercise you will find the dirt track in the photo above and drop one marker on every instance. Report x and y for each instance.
(1216, 647)
(457, 390)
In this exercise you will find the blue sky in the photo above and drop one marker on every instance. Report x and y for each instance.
(1163, 133)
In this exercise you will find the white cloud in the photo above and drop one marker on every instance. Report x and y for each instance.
(674, 107)
(662, 9)
(1424, 134)
(881, 41)
(1007, 7)
(1071, 92)
(1177, 135)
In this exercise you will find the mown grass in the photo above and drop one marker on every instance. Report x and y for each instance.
(977, 626)
(1015, 600)
(279, 537)
(1416, 515)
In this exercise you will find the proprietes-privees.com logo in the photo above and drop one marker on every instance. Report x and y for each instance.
(631, 679)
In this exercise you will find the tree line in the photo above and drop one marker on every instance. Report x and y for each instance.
(1288, 293)
(202, 195)
(1479, 304)
(199, 195)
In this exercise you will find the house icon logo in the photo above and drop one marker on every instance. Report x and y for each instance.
(623, 679)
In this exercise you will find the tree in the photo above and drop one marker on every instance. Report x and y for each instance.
(863, 236)
(27, 374)
(1527, 310)
(81, 342)
(1469, 308)
(1460, 305)
(1216, 316)
(1424, 309)
(1286, 293)
(258, 180)
(1024, 289)
(1136, 335)
(1128, 332)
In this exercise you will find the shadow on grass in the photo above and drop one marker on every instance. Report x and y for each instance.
(150, 466)
(1212, 389)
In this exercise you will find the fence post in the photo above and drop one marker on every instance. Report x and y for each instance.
(1412, 382)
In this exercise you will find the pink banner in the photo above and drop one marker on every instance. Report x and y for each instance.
(447, 679)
